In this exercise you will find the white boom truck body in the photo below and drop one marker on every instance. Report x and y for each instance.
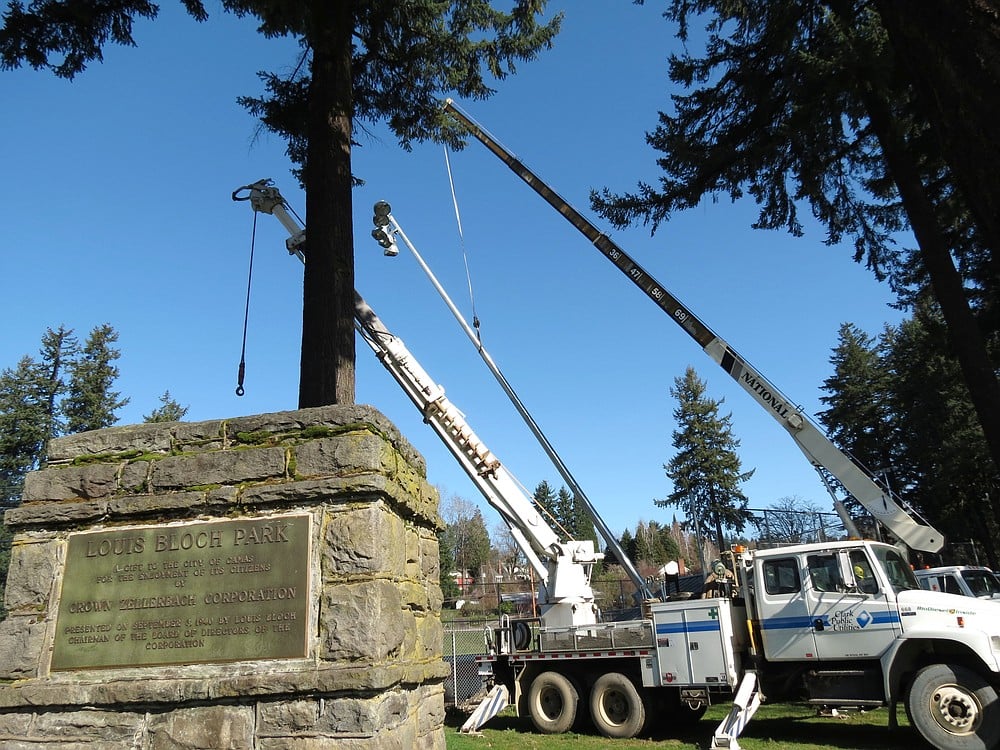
(843, 624)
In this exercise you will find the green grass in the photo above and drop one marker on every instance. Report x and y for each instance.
(778, 727)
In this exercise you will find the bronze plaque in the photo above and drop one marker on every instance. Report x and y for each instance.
(216, 591)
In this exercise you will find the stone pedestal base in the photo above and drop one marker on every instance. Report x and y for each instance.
(177, 537)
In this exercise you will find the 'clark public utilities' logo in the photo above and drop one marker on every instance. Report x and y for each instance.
(848, 620)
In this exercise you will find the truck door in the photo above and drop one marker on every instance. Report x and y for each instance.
(784, 620)
(850, 618)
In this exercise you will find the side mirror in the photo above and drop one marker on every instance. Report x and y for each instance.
(847, 573)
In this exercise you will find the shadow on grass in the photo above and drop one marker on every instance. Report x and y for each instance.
(853, 732)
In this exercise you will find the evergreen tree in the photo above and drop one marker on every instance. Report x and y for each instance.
(467, 536)
(90, 402)
(654, 545)
(59, 349)
(562, 510)
(581, 522)
(363, 61)
(24, 425)
(705, 471)
(628, 545)
(867, 113)
(941, 463)
(449, 588)
(67, 389)
(858, 418)
(168, 410)
(545, 498)
(916, 424)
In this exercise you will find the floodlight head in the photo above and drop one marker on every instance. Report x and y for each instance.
(386, 240)
(382, 211)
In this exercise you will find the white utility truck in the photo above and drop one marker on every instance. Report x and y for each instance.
(964, 580)
(839, 624)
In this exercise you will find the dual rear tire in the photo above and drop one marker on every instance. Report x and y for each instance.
(553, 701)
(618, 709)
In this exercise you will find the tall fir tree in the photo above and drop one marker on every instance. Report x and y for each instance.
(91, 402)
(857, 418)
(59, 349)
(705, 470)
(563, 512)
(941, 464)
(582, 523)
(364, 61)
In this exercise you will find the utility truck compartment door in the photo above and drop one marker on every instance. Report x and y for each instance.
(696, 643)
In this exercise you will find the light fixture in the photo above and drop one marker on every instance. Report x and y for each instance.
(386, 240)
(382, 211)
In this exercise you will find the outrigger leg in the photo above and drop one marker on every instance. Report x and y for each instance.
(745, 705)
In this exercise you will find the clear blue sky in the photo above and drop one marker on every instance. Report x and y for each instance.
(115, 205)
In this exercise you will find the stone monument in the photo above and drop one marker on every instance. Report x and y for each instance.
(268, 582)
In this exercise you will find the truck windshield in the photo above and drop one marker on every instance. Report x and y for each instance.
(982, 583)
(897, 570)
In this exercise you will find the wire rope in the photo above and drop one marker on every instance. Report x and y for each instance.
(246, 313)
(461, 239)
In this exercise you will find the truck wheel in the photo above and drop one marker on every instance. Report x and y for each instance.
(954, 708)
(616, 707)
(552, 703)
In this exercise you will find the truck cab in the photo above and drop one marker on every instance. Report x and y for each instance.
(847, 624)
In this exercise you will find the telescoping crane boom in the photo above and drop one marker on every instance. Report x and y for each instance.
(386, 231)
(563, 567)
(825, 457)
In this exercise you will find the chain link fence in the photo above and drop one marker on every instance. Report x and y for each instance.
(463, 641)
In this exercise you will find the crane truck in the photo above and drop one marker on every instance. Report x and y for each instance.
(835, 624)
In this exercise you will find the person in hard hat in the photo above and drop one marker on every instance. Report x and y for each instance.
(864, 579)
(719, 582)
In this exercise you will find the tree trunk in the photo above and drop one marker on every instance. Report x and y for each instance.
(951, 51)
(964, 334)
(327, 364)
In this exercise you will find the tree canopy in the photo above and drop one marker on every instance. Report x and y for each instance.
(870, 115)
(362, 61)
(898, 405)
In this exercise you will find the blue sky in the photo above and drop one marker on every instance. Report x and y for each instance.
(115, 205)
